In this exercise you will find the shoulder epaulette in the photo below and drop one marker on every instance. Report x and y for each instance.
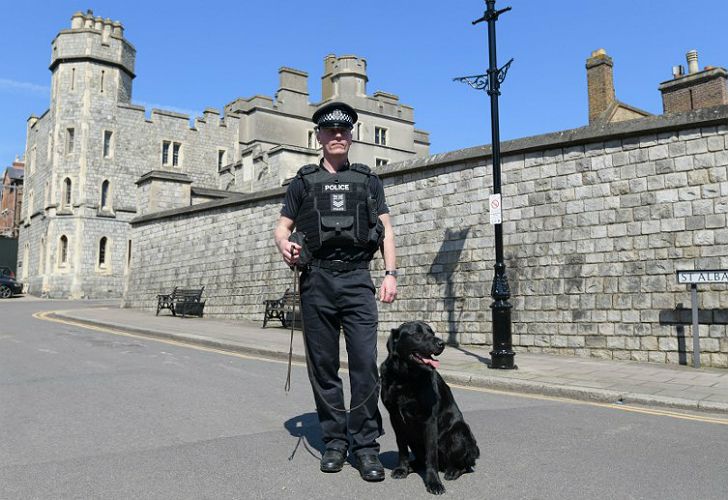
(360, 167)
(307, 169)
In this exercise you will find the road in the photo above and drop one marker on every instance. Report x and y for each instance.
(86, 413)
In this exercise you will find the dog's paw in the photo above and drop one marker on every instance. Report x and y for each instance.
(400, 472)
(436, 488)
(452, 475)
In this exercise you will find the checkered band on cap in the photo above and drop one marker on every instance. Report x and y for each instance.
(337, 116)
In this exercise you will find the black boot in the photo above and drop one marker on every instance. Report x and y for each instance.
(370, 468)
(332, 460)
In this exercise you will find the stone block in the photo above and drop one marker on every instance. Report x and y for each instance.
(658, 152)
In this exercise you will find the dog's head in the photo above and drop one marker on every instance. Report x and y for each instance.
(415, 342)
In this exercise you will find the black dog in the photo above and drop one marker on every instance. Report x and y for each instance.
(423, 412)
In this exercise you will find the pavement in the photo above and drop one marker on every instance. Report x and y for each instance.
(595, 380)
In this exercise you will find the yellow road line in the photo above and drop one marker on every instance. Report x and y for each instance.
(45, 316)
(613, 406)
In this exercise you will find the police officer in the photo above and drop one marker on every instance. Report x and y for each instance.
(340, 209)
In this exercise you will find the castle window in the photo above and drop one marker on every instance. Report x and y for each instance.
(70, 132)
(173, 158)
(41, 260)
(165, 152)
(380, 136)
(102, 251)
(73, 78)
(26, 260)
(31, 161)
(108, 135)
(311, 139)
(380, 162)
(103, 73)
(105, 195)
(63, 251)
(175, 153)
(31, 201)
(49, 152)
(66, 196)
(358, 131)
(221, 153)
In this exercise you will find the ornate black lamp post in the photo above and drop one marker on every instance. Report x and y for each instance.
(502, 354)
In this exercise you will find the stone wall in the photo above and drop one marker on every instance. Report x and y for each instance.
(596, 222)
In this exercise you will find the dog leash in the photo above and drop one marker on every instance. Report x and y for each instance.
(296, 279)
(309, 368)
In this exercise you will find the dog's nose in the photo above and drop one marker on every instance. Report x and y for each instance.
(440, 343)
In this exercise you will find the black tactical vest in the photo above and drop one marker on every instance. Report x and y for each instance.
(338, 210)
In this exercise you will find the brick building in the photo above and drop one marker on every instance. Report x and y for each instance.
(11, 199)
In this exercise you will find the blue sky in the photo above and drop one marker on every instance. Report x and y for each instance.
(194, 55)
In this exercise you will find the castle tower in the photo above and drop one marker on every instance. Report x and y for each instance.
(74, 235)
(344, 76)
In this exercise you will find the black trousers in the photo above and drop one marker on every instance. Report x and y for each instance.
(332, 300)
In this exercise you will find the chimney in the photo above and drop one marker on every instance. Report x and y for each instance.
(695, 90)
(692, 57)
(600, 84)
(293, 86)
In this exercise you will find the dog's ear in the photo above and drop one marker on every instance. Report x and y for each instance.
(392, 342)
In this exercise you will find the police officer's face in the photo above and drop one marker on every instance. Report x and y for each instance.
(335, 141)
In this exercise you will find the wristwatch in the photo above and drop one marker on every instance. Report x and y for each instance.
(391, 273)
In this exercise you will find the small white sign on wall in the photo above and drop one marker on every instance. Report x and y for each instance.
(496, 214)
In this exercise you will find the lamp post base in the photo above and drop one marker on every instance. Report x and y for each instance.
(502, 360)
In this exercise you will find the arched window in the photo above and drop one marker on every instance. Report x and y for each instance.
(41, 260)
(63, 251)
(105, 195)
(66, 201)
(26, 260)
(102, 251)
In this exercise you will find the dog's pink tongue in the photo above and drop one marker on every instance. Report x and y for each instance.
(432, 362)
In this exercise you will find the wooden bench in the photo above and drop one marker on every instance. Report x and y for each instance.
(183, 301)
(281, 309)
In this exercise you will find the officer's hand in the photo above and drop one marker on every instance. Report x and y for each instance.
(290, 252)
(388, 290)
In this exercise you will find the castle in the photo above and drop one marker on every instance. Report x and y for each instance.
(91, 155)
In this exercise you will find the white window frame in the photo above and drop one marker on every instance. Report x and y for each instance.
(177, 160)
(170, 154)
(165, 161)
(380, 135)
(380, 162)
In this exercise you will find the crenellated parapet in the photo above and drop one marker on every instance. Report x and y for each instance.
(93, 38)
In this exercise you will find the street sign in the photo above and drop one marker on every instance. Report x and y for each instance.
(496, 214)
(694, 278)
(703, 276)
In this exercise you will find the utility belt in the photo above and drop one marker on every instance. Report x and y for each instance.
(339, 265)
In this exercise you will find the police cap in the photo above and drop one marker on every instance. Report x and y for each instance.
(335, 115)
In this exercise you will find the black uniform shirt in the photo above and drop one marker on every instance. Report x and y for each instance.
(294, 198)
